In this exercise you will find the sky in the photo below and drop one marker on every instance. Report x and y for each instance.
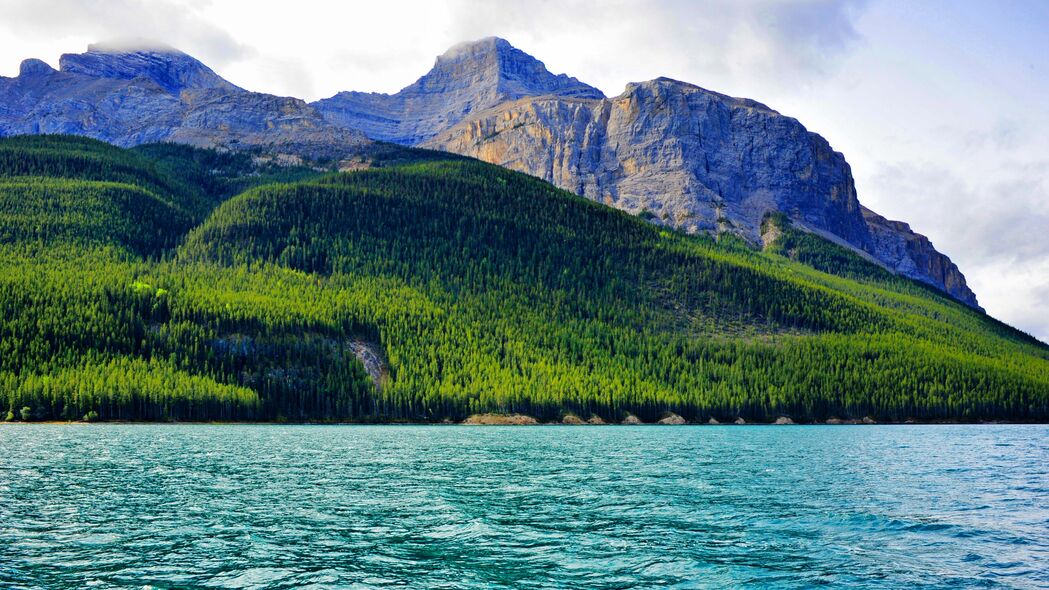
(941, 107)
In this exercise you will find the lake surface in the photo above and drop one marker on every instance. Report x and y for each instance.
(171, 506)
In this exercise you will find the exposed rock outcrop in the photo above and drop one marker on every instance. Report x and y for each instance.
(672, 419)
(374, 360)
(851, 421)
(912, 255)
(500, 420)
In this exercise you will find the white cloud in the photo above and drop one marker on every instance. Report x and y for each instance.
(315, 48)
(720, 43)
(998, 219)
(1018, 293)
(995, 226)
(61, 26)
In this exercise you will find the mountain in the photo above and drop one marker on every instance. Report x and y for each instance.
(682, 156)
(699, 161)
(169, 68)
(468, 78)
(129, 96)
(89, 194)
(676, 154)
(173, 283)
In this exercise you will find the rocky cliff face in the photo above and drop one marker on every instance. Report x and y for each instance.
(468, 78)
(911, 254)
(698, 161)
(133, 96)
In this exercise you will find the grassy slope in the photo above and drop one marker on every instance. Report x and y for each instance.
(487, 290)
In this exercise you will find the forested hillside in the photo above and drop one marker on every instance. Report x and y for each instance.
(168, 283)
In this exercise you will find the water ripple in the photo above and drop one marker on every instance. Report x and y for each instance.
(122, 506)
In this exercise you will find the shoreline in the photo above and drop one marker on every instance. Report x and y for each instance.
(505, 424)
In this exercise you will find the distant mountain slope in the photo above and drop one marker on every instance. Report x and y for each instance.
(133, 96)
(59, 190)
(64, 191)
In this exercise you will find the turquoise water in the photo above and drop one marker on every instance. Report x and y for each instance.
(171, 506)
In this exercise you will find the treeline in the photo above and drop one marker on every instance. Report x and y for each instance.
(54, 211)
(472, 227)
(124, 388)
(481, 290)
(218, 175)
(69, 312)
(281, 334)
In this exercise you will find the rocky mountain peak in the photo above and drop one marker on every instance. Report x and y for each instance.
(34, 67)
(171, 69)
(468, 78)
(663, 86)
(474, 49)
(134, 93)
(508, 71)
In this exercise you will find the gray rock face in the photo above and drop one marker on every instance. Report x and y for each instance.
(912, 255)
(171, 69)
(695, 160)
(468, 78)
(698, 160)
(128, 97)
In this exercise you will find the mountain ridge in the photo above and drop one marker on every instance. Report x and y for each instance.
(170, 68)
(678, 154)
(468, 77)
(131, 96)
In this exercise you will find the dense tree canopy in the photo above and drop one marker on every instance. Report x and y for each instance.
(135, 285)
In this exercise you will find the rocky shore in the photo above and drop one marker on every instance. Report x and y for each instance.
(667, 419)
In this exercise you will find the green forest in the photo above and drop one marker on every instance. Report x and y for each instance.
(168, 283)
